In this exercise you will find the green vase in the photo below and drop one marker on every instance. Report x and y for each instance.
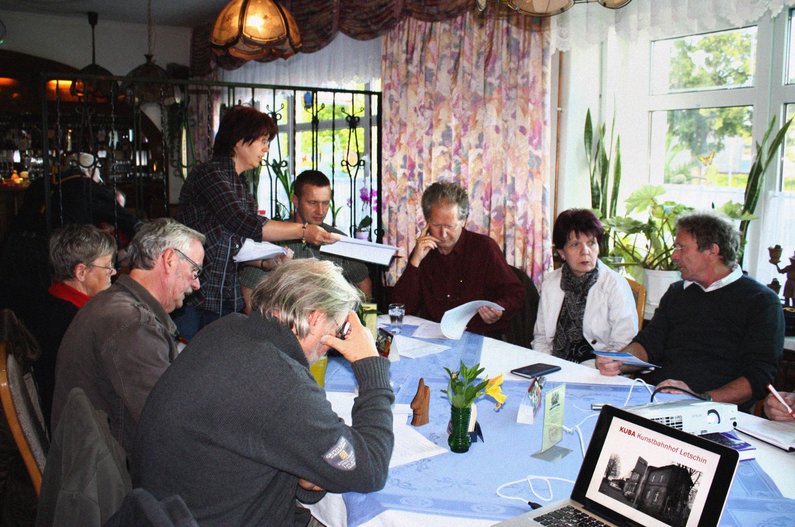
(459, 429)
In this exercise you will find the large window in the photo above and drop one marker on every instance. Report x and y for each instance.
(690, 110)
(334, 131)
(694, 140)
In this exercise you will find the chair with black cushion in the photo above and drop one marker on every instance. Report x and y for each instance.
(522, 324)
(22, 413)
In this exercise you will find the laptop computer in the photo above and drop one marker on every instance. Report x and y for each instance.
(642, 473)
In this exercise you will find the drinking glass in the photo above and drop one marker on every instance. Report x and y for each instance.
(396, 312)
(318, 370)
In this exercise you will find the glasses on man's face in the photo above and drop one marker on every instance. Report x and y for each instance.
(343, 330)
(197, 269)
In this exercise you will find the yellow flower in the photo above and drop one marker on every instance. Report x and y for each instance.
(494, 390)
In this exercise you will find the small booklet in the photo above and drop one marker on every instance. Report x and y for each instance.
(627, 358)
(731, 440)
(777, 433)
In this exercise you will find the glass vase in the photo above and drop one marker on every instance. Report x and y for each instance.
(459, 429)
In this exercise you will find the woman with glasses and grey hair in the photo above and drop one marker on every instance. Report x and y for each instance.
(81, 265)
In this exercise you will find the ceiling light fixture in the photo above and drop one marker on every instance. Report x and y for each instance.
(255, 30)
(146, 91)
(555, 7)
(95, 88)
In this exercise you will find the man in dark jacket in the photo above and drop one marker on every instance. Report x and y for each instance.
(241, 431)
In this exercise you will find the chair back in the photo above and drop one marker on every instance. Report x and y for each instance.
(521, 332)
(23, 415)
(639, 292)
(86, 477)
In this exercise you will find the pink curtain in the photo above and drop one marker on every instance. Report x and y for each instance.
(467, 100)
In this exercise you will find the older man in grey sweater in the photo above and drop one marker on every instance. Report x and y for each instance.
(238, 427)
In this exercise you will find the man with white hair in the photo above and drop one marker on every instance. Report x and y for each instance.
(123, 339)
(256, 412)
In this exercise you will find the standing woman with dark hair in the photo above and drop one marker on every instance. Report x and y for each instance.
(584, 305)
(215, 201)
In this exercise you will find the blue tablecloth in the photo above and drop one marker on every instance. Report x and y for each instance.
(465, 484)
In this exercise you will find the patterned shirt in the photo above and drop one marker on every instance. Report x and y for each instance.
(216, 202)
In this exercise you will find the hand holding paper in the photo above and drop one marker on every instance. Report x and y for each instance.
(626, 358)
(252, 250)
(455, 320)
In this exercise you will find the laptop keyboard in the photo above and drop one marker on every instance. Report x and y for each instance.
(568, 516)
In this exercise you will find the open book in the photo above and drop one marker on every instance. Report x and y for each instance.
(777, 433)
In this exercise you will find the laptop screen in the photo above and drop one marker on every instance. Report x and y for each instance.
(639, 471)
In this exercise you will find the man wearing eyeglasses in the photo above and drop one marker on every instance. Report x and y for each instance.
(243, 435)
(451, 266)
(123, 339)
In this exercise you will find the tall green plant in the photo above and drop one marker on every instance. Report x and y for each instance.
(603, 155)
(764, 155)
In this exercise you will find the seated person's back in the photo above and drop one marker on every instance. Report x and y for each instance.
(241, 433)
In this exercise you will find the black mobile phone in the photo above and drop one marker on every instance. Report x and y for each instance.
(535, 370)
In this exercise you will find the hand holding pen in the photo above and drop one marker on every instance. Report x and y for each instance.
(778, 406)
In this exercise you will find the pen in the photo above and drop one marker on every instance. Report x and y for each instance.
(780, 399)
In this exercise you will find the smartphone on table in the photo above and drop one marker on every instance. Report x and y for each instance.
(535, 370)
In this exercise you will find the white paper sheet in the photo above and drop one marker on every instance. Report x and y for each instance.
(778, 433)
(364, 250)
(410, 445)
(455, 320)
(428, 330)
(252, 250)
(414, 348)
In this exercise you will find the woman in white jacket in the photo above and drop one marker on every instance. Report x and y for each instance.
(584, 305)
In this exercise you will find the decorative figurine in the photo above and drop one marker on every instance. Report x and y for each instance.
(420, 404)
(775, 285)
(789, 285)
(775, 254)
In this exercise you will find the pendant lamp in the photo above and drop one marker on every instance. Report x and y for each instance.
(149, 91)
(255, 30)
(555, 7)
(540, 7)
(93, 88)
(614, 4)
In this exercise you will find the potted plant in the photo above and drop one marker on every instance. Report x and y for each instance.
(463, 388)
(369, 201)
(648, 244)
(763, 156)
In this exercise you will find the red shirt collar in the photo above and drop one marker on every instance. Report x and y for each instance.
(70, 294)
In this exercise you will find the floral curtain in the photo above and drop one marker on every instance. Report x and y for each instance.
(467, 99)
